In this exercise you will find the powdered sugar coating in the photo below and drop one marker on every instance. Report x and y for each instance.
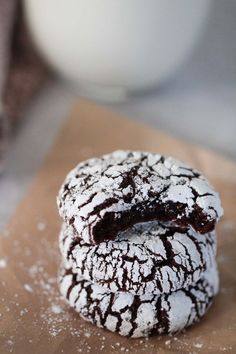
(105, 195)
(149, 258)
(137, 316)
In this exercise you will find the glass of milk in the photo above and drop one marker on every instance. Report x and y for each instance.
(110, 48)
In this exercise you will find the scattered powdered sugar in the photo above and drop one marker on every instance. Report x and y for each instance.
(28, 288)
(87, 334)
(34, 270)
(41, 226)
(56, 308)
(53, 310)
(224, 349)
(55, 322)
(3, 263)
(10, 345)
(23, 311)
(198, 345)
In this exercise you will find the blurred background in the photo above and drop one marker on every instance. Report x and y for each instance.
(169, 64)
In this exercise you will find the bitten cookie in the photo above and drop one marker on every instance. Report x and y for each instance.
(106, 195)
(149, 258)
(137, 316)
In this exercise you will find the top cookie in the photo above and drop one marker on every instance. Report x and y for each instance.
(103, 196)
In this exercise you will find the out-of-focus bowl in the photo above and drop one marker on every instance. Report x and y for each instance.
(108, 47)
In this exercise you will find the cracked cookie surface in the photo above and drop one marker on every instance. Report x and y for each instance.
(151, 258)
(103, 196)
(137, 316)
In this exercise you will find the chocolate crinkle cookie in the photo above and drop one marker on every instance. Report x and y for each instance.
(149, 258)
(139, 315)
(138, 243)
(103, 196)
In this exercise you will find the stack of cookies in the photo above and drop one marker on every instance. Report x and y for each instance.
(138, 243)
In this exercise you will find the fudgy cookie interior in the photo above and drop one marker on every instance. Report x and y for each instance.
(112, 223)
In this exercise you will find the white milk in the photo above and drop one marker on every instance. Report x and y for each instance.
(115, 45)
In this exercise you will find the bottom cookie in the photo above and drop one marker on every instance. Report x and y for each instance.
(139, 315)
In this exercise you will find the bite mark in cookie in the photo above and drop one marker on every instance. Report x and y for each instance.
(106, 195)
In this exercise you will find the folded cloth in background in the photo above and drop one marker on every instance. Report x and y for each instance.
(22, 71)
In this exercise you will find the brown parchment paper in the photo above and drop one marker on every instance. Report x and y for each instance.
(34, 319)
